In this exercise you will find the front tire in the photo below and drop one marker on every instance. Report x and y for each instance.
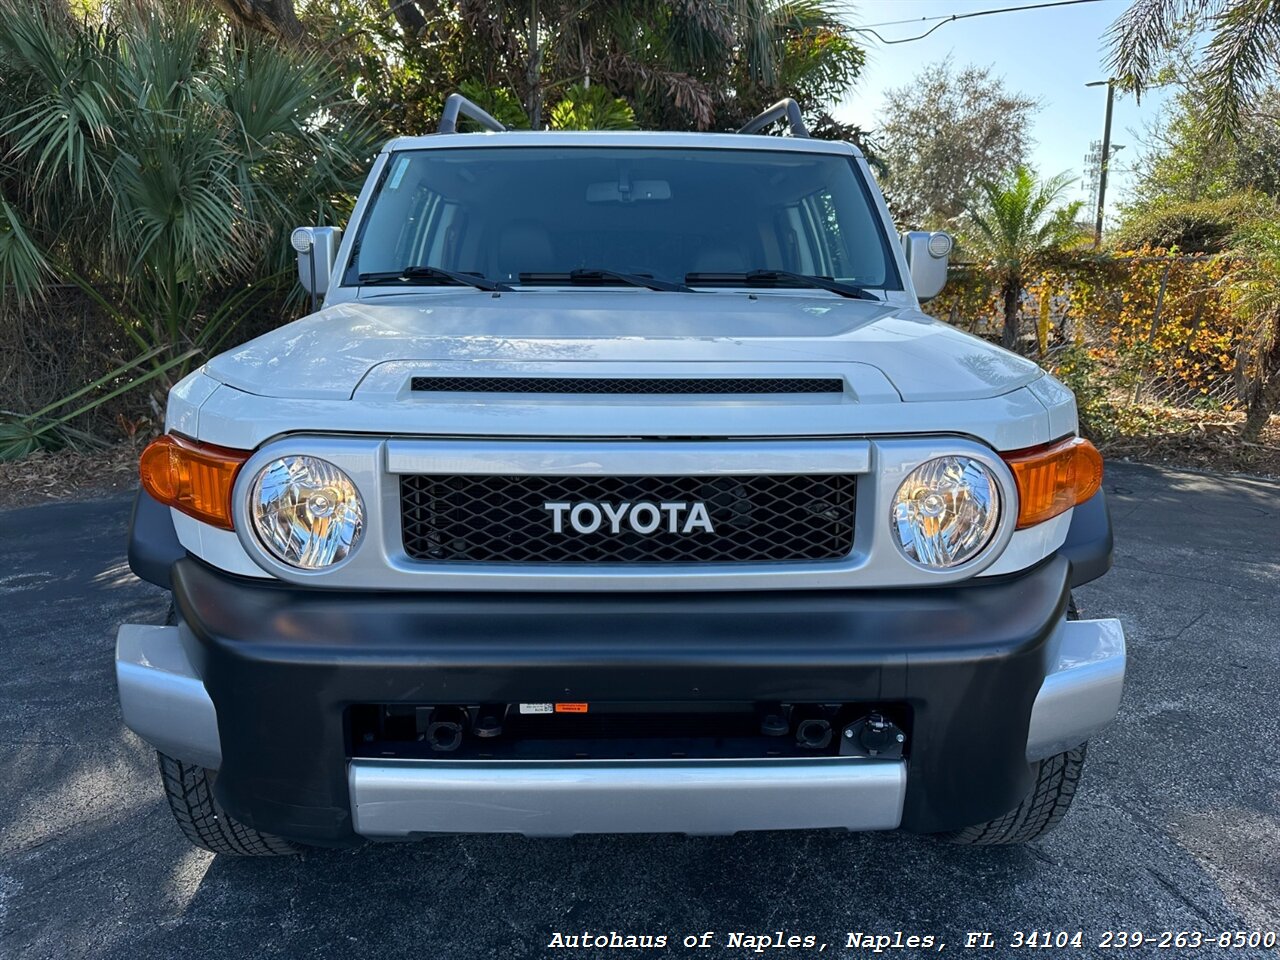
(189, 790)
(1041, 811)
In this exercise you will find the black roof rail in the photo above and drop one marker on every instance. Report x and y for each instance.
(458, 104)
(783, 108)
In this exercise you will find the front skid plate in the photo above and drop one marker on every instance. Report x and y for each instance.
(401, 798)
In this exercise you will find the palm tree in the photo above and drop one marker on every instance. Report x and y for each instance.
(158, 161)
(700, 64)
(679, 65)
(1240, 58)
(1253, 286)
(1018, 226)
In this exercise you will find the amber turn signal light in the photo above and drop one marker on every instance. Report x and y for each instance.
(195, 478)
(1054, 478)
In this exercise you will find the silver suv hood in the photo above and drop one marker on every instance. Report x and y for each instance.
(327, 355)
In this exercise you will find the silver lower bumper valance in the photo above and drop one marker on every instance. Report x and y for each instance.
(403, 798)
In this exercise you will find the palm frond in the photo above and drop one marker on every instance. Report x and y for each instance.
(1241, 57)
(1140, 36)
(61, 105)
(23, 268)
(158, 152)
(24, 434)
(1021, 220)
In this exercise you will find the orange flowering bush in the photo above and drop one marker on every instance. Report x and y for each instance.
(1155, 324)
(970, 300)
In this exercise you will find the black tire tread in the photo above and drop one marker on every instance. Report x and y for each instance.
(189, 790)
(1040, 812)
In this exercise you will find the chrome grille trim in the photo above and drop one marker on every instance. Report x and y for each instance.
(585, 458)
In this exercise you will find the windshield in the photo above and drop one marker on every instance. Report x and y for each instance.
(655, 212)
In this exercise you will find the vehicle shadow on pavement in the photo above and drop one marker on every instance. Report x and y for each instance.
(509, 896)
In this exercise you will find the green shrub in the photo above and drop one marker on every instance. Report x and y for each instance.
(592, 108)
(1200, 226)
(499, 102)
(1076, 367)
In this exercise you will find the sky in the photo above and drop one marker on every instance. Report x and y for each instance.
(1049, 54)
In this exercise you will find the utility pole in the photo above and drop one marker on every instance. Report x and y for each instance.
(1105, 159)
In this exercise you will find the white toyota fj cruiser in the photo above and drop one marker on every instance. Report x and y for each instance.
(620, 485)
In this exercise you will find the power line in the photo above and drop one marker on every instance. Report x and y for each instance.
(959, 16)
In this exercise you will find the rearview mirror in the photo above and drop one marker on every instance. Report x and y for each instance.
(628, 192)
(317, 249)
(927, 256)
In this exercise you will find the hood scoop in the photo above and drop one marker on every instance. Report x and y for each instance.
(629, 386)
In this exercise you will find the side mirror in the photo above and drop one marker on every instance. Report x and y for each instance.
(317, 249)
(927, 255)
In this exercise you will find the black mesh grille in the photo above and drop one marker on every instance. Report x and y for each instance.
(628, 385)
(491, 519)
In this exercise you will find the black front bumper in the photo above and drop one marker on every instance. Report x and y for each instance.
(282, 664)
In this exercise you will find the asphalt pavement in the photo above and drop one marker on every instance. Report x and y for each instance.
(1176, 828)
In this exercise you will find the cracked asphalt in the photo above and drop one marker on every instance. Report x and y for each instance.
(1177, 826)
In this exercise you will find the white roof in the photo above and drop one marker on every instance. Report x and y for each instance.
(619, 138)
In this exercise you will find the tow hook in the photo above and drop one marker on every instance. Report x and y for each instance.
(813, 734)
(488, 722)
(444, 733)
(873, 736)
(775, 724)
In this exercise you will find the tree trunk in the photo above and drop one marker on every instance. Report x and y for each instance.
(534, 77)
(1264, 392)
(275, 17)
(410, 18)
(1012, 293)
(1263, 399)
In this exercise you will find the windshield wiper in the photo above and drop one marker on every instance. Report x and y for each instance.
(437, 275)
(754, 278)
(589, 277)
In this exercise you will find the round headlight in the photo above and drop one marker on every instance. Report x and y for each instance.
(306, 512)
(946, 511)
